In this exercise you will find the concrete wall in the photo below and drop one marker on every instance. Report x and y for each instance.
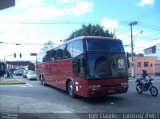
(148, 63)
(157, 68)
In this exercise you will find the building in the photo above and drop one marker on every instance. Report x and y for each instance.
(153, 51)
(149, 63)
(157, 68)
(20, 64)
(2, 68)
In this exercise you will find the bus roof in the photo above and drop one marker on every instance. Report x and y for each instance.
(85, 37)
(94, 37)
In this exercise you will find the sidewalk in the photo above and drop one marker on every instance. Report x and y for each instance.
(10, 81)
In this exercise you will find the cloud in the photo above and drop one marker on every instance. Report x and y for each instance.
(146, 44)
(139, 42)
(146, 2)
(38, 12)
(41, 13)
(66, 1)
(81, 8)
(24, 38)
(5, 17)
(124, 37)
(13, 31)
(109, 24)
(28, 3)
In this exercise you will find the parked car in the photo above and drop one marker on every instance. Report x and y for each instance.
(12, 71)
(31, 75)
(18, 72)
(25, 72)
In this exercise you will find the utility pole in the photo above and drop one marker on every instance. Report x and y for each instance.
(131, 24)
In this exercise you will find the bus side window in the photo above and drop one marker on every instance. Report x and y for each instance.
(77, 48)
(79, 65)
(53, 54)
(47, 57)
(60, 52)
(68, 50)
(76, 66)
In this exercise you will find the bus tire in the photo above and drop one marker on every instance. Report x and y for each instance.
(70, 89)
(42, 80)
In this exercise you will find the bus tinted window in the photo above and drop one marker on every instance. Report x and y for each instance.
(105, 45)
(53, 54)
(47, 57)
(73, 49)
(77, 48)
(60, 52)
(68, 50)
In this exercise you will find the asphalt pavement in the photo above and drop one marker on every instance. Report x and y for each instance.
(36, 100)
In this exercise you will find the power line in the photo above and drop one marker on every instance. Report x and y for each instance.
(151, 39)
(19, 43)
(52, 22)
(148, 13)
(149, 26)
(121, 22)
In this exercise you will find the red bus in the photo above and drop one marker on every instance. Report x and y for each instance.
(88, 66)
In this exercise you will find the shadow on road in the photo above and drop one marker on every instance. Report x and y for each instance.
(101, 100)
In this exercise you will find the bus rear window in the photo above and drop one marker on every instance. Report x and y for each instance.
(104, 45)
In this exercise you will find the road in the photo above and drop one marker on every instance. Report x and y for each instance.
(32, 97)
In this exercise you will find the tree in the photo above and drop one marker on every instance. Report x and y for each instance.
(48, 45)
(90, 30)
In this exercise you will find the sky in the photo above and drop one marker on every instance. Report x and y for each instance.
(31, 23)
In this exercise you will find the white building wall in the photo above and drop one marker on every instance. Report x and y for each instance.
(156, 54)
(158, 51)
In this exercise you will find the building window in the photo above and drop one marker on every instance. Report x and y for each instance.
(154, 49)
(138, 64)
(146, 64)
(151, 65)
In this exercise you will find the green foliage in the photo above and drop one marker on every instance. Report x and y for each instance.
(48, 45)
(90, 30)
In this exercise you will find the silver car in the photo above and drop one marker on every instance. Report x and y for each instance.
(31, 75)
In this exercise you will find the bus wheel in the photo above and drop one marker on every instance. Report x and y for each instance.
(42, 81)
(70, 89)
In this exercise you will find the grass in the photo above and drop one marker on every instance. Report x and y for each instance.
(10, 82)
